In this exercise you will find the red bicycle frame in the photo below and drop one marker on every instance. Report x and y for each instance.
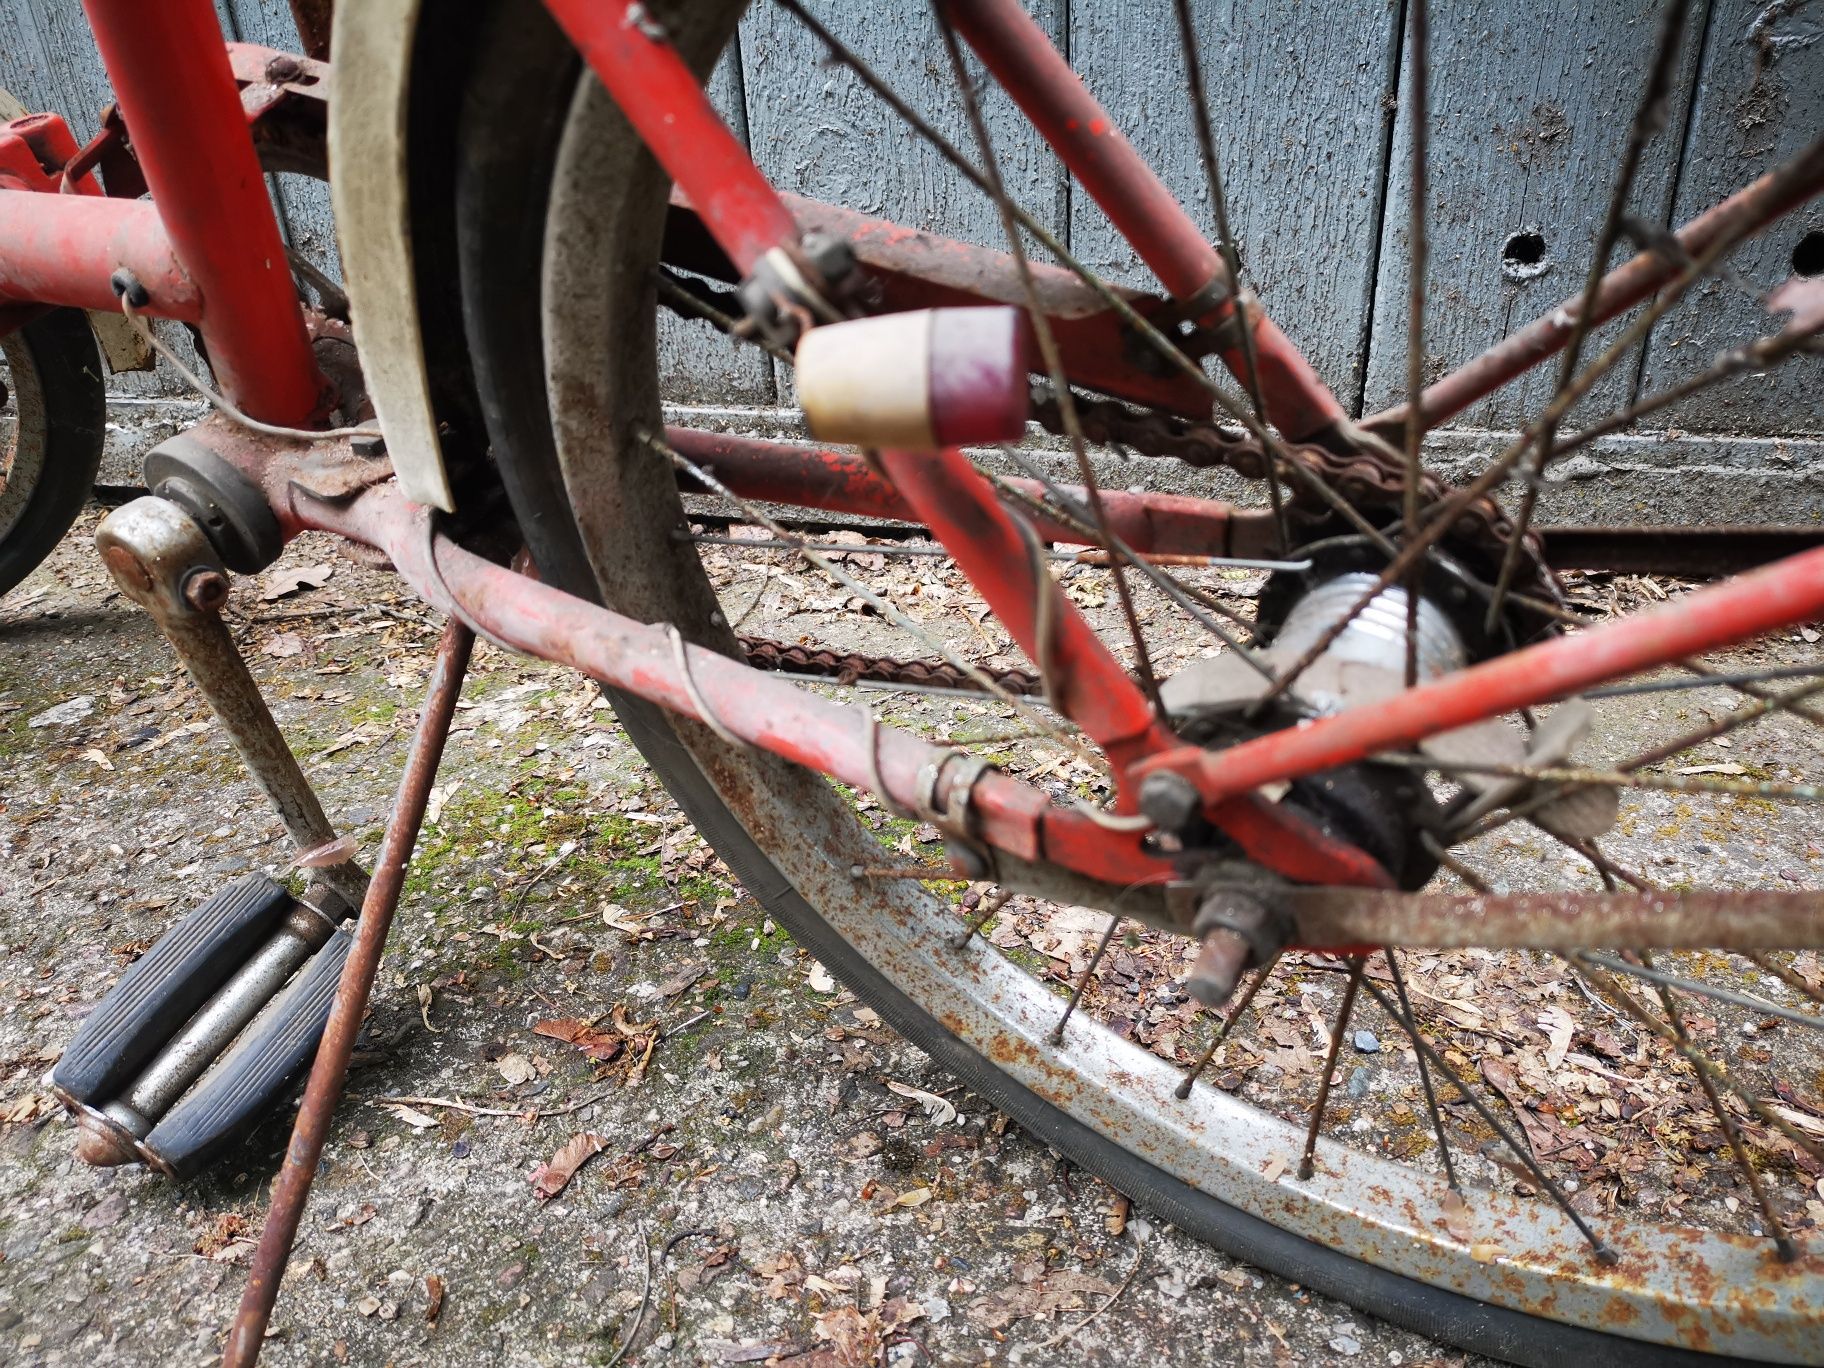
(206, 249)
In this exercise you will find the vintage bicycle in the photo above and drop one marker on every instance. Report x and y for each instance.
(519, 194)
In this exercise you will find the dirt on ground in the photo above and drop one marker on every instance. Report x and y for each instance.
(572, 974)
(604, 1109)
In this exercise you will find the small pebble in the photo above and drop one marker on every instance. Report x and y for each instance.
(1358, 1081)
(1366, 1042)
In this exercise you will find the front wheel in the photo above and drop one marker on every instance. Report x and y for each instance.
(52, 420)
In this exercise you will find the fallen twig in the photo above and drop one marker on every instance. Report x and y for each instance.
(639, 1318)
(1063, 1335)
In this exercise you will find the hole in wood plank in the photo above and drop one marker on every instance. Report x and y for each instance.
(1808, 256)
(1523, 255)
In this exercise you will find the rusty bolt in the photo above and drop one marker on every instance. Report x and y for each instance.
(1238, 933)
(1171, 800)
(283, 68)
(125, 567)
(205, 590)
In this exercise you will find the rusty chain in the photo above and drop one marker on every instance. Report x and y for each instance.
(1370, 481)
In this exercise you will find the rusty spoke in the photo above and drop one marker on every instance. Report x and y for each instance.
(1046, 727)
(1048, 351)
(1411, 1023)
(1569, 778)
(1221, 1033)
(1610, 987)
(1649, 119)
(1784, 974)
(1418, 43)
(1701, 989)
(1225, 237)
(1307, 1159)
(1482, 1109)
(1776, 1227)
(1082, 983)
(991, 904)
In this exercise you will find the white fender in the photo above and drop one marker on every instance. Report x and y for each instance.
(369, 98)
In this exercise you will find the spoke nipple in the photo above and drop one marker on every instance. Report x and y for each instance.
(1305, 1169)
(1057, 1035)
(1606, 1256)
(1787, 1248)
(1183, 1090)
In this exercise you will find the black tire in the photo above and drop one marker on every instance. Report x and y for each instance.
(67, 416)
(513, 116)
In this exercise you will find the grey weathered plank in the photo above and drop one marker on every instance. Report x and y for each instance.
(697, 365)
(815, 130)
(1297, 94)
(1756, 105)
(1531, 102)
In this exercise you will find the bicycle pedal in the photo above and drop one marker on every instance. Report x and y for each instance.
(251, 1078)
(163, 988)
(178, 1008)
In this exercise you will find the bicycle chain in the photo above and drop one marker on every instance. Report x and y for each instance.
(1366, 479)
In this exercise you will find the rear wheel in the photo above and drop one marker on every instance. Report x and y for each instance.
(560, 319)
(52, 421)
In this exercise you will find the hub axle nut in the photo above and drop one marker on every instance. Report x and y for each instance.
(1239, 933)
(1171, 800)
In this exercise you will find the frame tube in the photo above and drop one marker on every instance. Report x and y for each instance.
(176, 91)
(61, 249)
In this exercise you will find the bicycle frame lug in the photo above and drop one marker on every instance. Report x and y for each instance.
(159, 554)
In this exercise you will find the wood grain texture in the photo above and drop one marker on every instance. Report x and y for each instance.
(697, 364)
(1531, 102)
(1298, 95)
(1760, 98)
(815, 130)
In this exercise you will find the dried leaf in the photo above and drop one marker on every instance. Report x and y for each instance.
(516, 1069)
(1558, 1028)
(283, 646)
(1456, 1216)
(936, 1108)
(553, 1176)
(597, 1044)
(433, 1292)
(412, 1116)
(285, 580)
(915, 1198)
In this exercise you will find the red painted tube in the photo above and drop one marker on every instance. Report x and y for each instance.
(1091, 687)
(177, 95)
(628, 51)
(61, 249)
(1021, 55)
(1784, 593)
(836, 482)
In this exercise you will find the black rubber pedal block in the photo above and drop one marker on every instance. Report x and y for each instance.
(162, 989)
(250, 1080)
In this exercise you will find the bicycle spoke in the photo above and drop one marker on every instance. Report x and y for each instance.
(1709, 990)
(1076, 992)
(991, 904)
(1221, 1034)
(1417, 255)
(1525, 1155)
(1784, 974)
(1048, 351)
(1444, 518)
(1585, 778)
(1776, 1227)
(1225, 238)
(1142, 327)
(1062, 509)
(1307, 1159)
(1649, 119)
(1580, 963)
(882, 606)
(1431, 1097)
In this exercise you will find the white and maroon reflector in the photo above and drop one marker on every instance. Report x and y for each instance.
(917, 381)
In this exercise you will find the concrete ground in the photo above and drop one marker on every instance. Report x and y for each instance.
(794, 1206)
(759, 1157)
